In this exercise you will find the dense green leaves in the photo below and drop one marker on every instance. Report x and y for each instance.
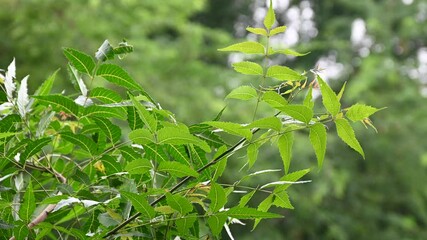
(140, 203)
(232, 128)
(29, 203)
(139, 166)
(266, 123)
(149, 120)
(141, 136)
(60, 102)
(80, 140)
(179, 203)
(112, 131)
(177, 169)
(176, 136)
(34, 147)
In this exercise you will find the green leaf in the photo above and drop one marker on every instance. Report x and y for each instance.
(252, 153)
(339, 96)
(308, 100)
(134, 120)
(140, 203)
(81, 177)
(231, 128)
(105, 95)
(359, 112)
(281, 199)
(141, 136)
(34, 147)
(248, 68)
(266, 123)
(179, 203)
(118, 76)
(112, 131)
(329, 98)
(177, 169)
(277, 30)
(270, 18)
(221, 165)
(245, 47)
(264, 206)
(289, 52)
(243, 93)
(177, 136)
(80, 140)
(60, 102)
(185, 223)
(148, 119)
(245, 199)
(291, 177)
(129, 154)
(274, 99)
(249, 213)
(54, 199)
(21, 231)
(29, 204)
(216, 223)
(346, 133)
(318, 141)
(111, 165)
(7, 134)
(284, 144)
(155, 152)
(179, 153)
(298, 112)
(217, 197)
(46, 86)
(284, 74)
(81, 61)
(139, 166)
(258, 31)
(104, 112)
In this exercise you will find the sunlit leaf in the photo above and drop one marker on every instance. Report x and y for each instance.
(96, 111)
(277, 30)
(285, 144)
(346, 133)
(329, 98)
(281, 199)
(318, 141)
(248, 68)
(284, 73)
(274, 99)
(245, 47)
(289, 52)
(298, 112)
(258, 31)
(270, 18)
(141, 136)
(242, 93)
(112, 131)
(105, 95)
(216, 223)
(359, 112)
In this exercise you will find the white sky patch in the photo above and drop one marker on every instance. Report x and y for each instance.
(359, 37)
(407, 2)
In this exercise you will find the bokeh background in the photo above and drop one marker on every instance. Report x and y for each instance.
(379, 47)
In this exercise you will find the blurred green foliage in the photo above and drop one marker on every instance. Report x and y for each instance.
(382, 197)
